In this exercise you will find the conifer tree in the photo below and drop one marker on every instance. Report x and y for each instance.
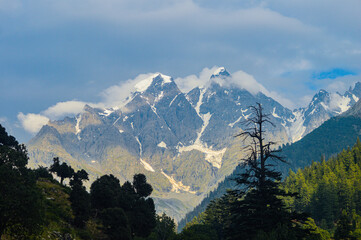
(259, 206)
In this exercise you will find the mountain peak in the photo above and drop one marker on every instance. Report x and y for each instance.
(355, 110)
(220, 72)
(144, 84)
(356, 90)
(320, 96)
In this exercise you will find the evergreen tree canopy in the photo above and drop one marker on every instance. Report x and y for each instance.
(20, 200)
(330, 191)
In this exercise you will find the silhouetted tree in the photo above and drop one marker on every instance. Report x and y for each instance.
(80, 204)
(139, 208)
(42, 172)
(79, 177)
(104, 192)
(61, 170)
(258, 206)
(80, 198)
(165, 228)
(21, 212)
(132, 198)
(115, 224)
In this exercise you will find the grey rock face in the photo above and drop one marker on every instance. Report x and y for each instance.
(183, 142)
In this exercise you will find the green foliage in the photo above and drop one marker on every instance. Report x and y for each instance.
(116, 224)
(42, 172)
(62, 170)
(132, 198)
(104, 192)
(329, 187)
(21, 211)
(330, 138)
(164, 230)
(80, 198)
(198, 232)
(193, 216)
(348, 226)
(80, 204)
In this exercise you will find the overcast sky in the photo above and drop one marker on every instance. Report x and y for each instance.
(56, 55)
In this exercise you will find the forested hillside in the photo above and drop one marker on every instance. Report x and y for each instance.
(330, 138)
(330, 190)
(35, 205)
(228, 183)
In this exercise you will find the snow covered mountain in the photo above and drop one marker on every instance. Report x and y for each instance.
(183, 142)
(322, 107)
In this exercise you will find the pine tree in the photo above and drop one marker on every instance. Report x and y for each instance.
(259, 206)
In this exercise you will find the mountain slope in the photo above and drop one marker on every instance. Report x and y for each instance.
(183, 142)
(330, 138)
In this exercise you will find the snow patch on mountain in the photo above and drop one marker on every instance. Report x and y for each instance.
(274, 113)
(171, 102)
(200, 101)
(77, 127)
(116, 121)
(240, 118)
(107, 112)
(219, 71)
(296, 129)
(143, 85)
(205, 117)
(162, 144)
(159, 97)
(214, 157)
(339, 103)
(177, 186)
(355, 98)
(146, 165)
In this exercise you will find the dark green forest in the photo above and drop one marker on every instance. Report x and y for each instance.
(328, 192)
(35, 205)
(330, 138)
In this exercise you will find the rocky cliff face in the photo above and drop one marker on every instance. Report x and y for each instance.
(183, 142)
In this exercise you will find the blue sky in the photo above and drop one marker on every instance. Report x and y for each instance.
(80, 50)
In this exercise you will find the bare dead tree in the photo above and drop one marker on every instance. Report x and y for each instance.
(260, 151)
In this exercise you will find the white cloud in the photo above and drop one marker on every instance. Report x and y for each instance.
(62, 109)
(240, 79)
(114, 96)
(32, 122)
(189, 82)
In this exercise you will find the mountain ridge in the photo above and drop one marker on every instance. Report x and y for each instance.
(183, 142)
